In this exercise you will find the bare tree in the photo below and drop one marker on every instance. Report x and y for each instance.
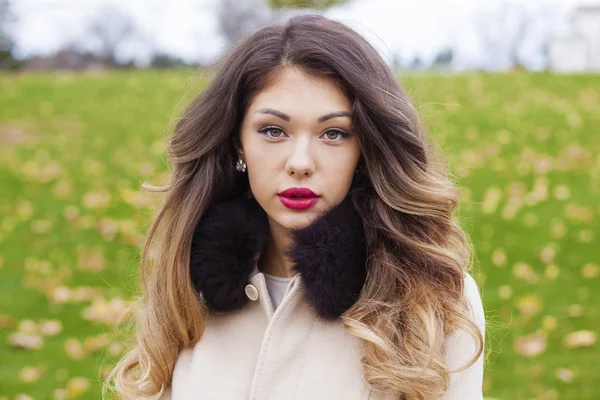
(111, 27)
(315, 4)
(502, 30)
(5, 18)
(238, 18)
(6, 42)
(444, 58)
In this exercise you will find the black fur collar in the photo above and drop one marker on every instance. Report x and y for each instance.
(329, 255)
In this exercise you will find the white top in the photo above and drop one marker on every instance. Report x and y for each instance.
(277, 286)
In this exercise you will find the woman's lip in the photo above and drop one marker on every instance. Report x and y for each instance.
(298, 191)
(298, 203)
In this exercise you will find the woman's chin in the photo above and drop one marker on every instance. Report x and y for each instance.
(295, 219)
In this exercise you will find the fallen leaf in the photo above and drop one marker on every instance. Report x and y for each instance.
(505, 292)
(547, 254)
(77, 386)
(96, 200)
(529, 305)
(562, 192)
(7, 321)
(491, 200)
(74, 349)
(524, 272)
(582, 338)
(61, 394)
(549, 323)
(499, 257)
(552, 271)
(589, 271)
(31, 374)
(26, 340)
(565, 375)
(50, 327)
(530, 345)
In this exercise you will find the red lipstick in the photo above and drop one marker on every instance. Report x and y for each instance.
(298, 198)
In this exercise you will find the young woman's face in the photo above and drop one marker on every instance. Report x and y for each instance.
(297, 133)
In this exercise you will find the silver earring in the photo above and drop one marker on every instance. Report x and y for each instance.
(241, 165)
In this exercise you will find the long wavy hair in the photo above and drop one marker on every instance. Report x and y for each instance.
(418, 253)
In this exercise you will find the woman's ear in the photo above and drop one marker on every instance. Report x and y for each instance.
(239, 150)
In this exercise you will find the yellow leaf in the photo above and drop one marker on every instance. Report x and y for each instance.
(582, 338)
(62, 189)
(491, 200)
(41, 226)
(93, 344)
(28, 326)
(505, 292)
(565, 375)
(7, 321)
(61, 394)
(50, 327)
(547, 254)
(96, 200)
(524, 272)
(549, 323)
(562, 192)
(552, 271)
(70, 213)
(74, 349)
(586, 236)
(77, 386)
(31, 374)
(24, 209)
(530, 345)
(558, 229)
(529, 305)
(90, 258)
(589, 271)
(499, 257)
(26, 340)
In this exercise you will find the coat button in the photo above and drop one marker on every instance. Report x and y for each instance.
(251, 292)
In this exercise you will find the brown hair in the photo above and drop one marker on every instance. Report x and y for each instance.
(418, 253)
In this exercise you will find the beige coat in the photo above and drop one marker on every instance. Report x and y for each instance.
(259, 354)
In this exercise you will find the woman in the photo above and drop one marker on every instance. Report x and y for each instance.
(306, 248)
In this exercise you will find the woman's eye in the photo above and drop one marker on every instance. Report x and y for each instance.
(331, 134)
(271, 129)
(336, 132)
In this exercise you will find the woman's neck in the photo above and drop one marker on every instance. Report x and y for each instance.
(272, 261)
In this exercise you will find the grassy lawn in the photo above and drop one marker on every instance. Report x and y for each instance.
(75, 148)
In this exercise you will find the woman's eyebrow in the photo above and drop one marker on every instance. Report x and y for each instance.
(286, 117)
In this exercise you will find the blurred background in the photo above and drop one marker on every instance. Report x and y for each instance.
(89, 90)
(559, 36)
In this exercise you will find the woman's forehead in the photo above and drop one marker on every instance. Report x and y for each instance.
(293, 90)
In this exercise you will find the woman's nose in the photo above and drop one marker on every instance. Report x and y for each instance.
(300, 160)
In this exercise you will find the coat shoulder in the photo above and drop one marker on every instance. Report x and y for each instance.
(473, 295)
(460, 348)
(180, 373)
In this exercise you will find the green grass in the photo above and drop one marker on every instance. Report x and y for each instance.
(74, 149)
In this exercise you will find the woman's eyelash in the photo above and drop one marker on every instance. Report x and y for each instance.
(265, 129)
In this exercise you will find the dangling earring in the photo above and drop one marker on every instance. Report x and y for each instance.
(241, 165)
